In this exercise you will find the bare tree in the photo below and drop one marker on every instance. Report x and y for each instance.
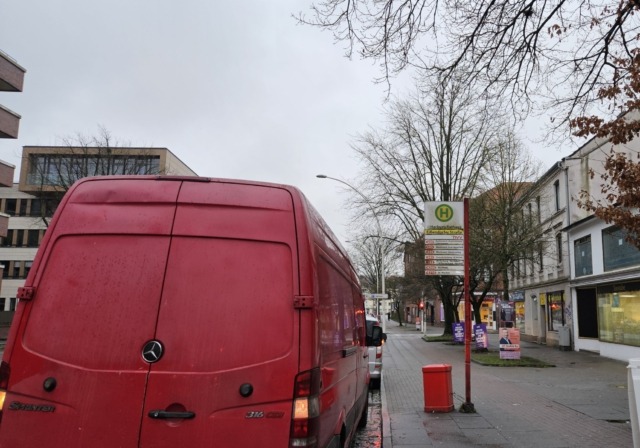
(435, 147)
(370, 252)
(562, 51)
(502, 230)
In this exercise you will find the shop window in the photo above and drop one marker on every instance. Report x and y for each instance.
(582, 255)
(555, 307)
(617, 252)
(619, 313)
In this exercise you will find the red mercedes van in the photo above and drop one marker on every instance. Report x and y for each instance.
(186, 312)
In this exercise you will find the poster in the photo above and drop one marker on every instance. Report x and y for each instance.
(458, 332)
(509, 343)
(480, 332)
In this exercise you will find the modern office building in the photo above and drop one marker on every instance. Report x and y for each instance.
(11, 80)
(45, 174)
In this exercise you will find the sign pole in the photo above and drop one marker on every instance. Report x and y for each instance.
(467, 406)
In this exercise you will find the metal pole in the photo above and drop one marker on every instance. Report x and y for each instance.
(375, 215)
(467, 405)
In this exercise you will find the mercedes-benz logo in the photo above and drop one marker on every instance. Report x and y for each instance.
(152, 351)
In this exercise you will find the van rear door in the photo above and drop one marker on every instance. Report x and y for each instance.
(77, 376)
(226, 321)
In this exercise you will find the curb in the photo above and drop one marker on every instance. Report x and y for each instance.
(386, 423)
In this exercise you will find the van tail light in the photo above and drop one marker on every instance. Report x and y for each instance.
(4, 384)
(378, 352)
(306, 410)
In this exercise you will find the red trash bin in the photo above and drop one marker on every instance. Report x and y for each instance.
(438, 391)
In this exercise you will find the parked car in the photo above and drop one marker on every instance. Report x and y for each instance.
(375, 356)
(131, 327)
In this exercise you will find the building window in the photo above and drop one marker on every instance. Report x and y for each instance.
(16, 269)
(33, 237)
(582, 255)
(619, 313)
(20, 238)
(539, 209)
(12, 304)
(2, 303)
(556, 193)
(617, 252)
(7, 241)
(559, 247)
(23, 207)
(540, 257)
(36, 207)
(10, 206)
(555, 305)
(5, 268)
(27, 268)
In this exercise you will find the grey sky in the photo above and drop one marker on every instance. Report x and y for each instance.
(234, 89)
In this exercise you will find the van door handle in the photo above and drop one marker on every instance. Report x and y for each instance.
(169, 414)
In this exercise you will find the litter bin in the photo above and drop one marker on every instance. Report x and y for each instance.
(438, 391)
(564, 338)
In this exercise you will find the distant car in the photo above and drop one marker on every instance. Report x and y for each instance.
(375, 356)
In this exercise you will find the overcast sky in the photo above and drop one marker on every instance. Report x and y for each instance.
(234, 89)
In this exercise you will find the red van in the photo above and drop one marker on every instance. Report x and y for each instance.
(186, 312)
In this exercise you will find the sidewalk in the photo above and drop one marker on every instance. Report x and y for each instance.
(582, 402)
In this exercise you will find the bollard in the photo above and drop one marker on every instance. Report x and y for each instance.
(438, 390)
(633, 388)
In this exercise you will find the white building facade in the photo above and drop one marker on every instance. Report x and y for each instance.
(541, 277)
(605, 269)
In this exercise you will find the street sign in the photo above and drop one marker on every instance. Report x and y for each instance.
(376, 296)
(444, 238)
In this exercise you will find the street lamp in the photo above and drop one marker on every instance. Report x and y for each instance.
(375, 215)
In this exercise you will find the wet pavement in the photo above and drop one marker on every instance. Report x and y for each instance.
(371, 436)
(581, 402)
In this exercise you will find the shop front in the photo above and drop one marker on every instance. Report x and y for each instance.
(608, 319)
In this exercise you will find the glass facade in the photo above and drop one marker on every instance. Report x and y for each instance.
(64, 170)
(619, 313)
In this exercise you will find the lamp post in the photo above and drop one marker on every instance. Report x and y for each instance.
(375, 215)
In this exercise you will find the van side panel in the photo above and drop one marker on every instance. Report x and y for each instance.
(339, 335)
